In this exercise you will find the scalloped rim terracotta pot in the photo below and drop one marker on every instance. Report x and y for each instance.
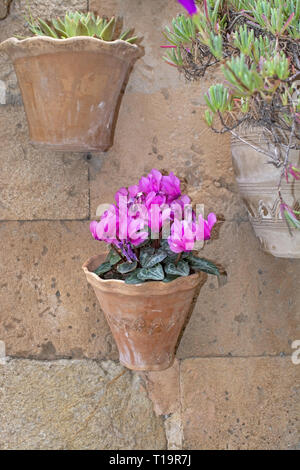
(71, 88)
(258, 184)
(145, 319)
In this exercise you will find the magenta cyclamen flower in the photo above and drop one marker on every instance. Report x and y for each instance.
(204, 227)
(189, 5)
(147, 225)
(182, 236)
(151, 183)
(171, 186)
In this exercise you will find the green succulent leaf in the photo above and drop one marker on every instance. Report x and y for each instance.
(82, 29)
(78, 24)
(108, 30)
(46, 29)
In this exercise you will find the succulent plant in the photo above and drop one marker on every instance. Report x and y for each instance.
(79, 24)
(257, 44)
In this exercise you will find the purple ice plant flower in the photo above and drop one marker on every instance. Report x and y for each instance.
(289, 215)
(293, 171)
(189, 5)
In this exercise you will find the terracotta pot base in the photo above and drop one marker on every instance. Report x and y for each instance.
(145, 319)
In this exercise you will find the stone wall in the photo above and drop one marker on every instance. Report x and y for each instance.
(47, 310)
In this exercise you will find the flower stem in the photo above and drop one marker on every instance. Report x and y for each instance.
(178, 258)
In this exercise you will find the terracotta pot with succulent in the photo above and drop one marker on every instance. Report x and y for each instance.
(71, 74)
(257, 43)
(147, 282)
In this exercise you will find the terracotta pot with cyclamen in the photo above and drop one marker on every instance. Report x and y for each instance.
(71, 74)
(258, 102)
(148, 280)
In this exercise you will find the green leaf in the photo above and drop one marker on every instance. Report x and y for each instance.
(108, 30)
(181, 269)
(170, 278)
(201, 264)
(156, 273)
(133, 278)
(81, 29)
(70, 27)
(103, 268)
(113, 258)
(132, 40)
(148, 259)
(125, 268)
(46, 29)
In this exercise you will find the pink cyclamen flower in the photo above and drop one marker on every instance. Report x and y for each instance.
(182, 236)
(151, 182)
(204, 227)
(171, 186)
(93, 229)
(189, 5)
(136, 232)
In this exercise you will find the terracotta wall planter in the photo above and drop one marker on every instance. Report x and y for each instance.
(145, 319)
(258, 182)
(71, 88)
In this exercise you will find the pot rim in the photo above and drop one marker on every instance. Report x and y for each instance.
(37, 45)
(183, 283)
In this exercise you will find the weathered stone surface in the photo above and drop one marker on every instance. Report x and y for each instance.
(47, 309)
(163, 389)
(38, 183)
(256, 312)
(4, 8)
(173, 427)
(148, 19)
(75, 405)
(236, 403)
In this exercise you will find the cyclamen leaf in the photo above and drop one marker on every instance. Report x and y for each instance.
(181, 269)
(133, 278)
(145, 253)
(113, 258)
(170, 278)
(125, 268)
(148, 260)
(103, 268)
(201, 264)
(156, 273)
